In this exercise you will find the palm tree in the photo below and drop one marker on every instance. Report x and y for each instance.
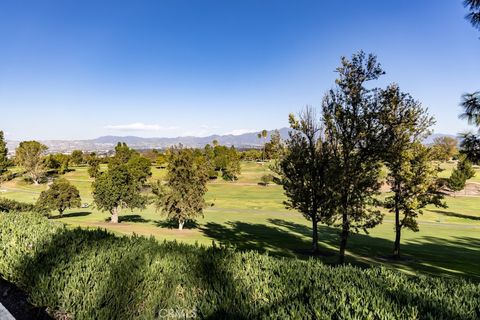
(263, 134)
(471, 106)
(474, 15)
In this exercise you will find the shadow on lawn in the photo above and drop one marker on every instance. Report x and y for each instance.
(456, 215)
(261, 237)
(135, 218)
(173, 224)
(71, 215)
(433, 255)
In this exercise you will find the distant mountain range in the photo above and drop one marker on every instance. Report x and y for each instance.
(107, 143)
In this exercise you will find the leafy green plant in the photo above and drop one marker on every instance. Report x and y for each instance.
(92, 274)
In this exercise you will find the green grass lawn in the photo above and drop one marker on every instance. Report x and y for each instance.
(252, 217)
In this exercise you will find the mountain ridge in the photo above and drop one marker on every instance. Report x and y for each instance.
(108, 142)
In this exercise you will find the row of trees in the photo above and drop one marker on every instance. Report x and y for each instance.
(181, 198)
(331, 171)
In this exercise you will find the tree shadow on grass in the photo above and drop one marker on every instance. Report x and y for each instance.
(135, 218)
(433, 255)
(256, 236)
(71, 215)
(173, 224)
(456, 215)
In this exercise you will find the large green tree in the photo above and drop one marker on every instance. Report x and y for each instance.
(29, 155)
(61, 195)
(303, 170)
(117, 189)
(350, 114)
(77, 157)
(411, 175)
(4, 162)
(182, 198)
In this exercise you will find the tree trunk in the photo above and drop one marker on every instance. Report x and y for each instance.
(114, 218)
(343, 238)
(396, 246)
(180, 224)
(398, 229)
(315, 236)
(61, 212)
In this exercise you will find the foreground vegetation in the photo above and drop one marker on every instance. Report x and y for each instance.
(95, 275)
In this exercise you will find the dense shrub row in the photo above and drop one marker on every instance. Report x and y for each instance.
(9, 205)
(92, 274)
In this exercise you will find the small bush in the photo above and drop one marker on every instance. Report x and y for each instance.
(92, 274)
(266, 179)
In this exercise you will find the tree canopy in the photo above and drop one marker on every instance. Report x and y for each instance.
(304, 171)
(60, 196)
(350, 114)
(117, 189)
(4, 162)
(411, 175)
(182, 198)
(29, 155)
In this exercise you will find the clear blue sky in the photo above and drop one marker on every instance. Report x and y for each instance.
(80, 69)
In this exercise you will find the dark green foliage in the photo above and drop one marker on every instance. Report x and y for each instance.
(4, 162)
(94, 167)
(350, 113)
(140, 168)
(8, 205)
(77, 157)
(182, 199)
(91, 274)
(275, 147)
(117, 189)
(57, 162)
(304, 171)
(457, 180)
(471, 108)
(460, 175)
(226, 161)
(122, 154)
(474, 12)
(466, 167)
(411, 175)
(471, 147)
(61, 195)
